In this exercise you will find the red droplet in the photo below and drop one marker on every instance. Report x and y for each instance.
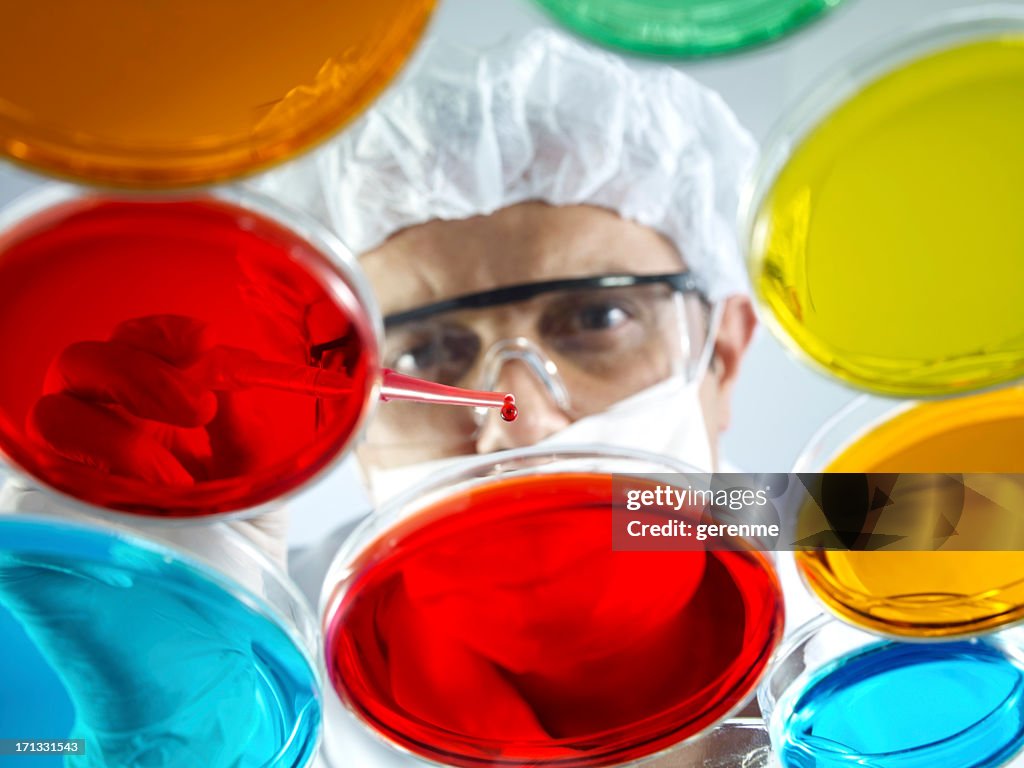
(509, 412)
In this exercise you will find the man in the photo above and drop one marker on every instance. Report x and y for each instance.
(548, 220)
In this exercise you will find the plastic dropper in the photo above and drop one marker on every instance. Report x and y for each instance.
(227, 369)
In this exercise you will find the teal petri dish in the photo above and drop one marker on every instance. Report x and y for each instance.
(839, 697)
(118, 650)
(685, 28)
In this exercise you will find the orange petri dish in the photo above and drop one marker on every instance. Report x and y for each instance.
(172, 93)
(970, 583)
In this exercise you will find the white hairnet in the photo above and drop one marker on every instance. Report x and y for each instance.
(546, 118)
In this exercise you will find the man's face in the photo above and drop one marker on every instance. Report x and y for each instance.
(531, 243)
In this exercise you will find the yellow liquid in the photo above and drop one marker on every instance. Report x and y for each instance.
(937, 593)
(890, 248)
(163, 93)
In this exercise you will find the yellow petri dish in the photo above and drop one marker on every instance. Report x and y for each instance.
(936, 594)
(171, 93)
(885, 237)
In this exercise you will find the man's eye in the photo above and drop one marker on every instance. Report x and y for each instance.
(416, 360)
(601, 317)
(576, 319)
(443, 356)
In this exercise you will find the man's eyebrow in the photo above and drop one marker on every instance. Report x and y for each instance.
(680, 281)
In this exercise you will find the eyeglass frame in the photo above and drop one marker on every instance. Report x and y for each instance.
(681, 282)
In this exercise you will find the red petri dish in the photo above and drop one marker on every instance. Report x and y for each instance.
(158, 352)
(496, 626)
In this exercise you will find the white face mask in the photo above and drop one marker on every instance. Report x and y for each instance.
(666, 419)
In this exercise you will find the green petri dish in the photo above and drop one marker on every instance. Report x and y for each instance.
(685, 27)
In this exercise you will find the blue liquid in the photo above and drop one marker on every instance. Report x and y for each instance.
(155, 662)
(904, 705)
(42, 701)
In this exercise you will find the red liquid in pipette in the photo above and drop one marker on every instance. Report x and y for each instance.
(498, 627)
(78, 272)
(509, 411)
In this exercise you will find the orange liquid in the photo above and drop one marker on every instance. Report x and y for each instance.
(978, 585)
(178, 92)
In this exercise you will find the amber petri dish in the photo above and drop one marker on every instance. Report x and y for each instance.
(960, 584)
(172, 93)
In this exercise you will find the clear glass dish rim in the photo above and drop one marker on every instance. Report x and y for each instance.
(869, 411)
(336, 256)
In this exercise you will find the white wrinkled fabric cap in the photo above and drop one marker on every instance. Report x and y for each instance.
(545, 118)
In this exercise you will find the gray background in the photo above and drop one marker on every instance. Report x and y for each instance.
(779, 403)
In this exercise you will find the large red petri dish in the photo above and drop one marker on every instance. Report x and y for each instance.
(496, 626)
(116, 317)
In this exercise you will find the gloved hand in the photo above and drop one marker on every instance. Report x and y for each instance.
(129, 407)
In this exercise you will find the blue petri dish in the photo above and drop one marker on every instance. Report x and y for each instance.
(903, 705)
(150, 657)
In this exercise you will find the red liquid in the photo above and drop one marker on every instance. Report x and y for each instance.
(498, 627)
(509, 411)
(126, 422)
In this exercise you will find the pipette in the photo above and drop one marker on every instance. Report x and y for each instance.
(227, 369)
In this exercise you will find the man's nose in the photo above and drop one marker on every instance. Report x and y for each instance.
(539, 415)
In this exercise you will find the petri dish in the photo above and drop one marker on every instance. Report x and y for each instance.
(160, 350)
(185, 93)
(149, 655)
(480, 620)
(839, 696)
(937, 591)
(883, 242)
(687, 28)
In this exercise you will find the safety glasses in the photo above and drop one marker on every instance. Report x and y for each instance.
(577, 345)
